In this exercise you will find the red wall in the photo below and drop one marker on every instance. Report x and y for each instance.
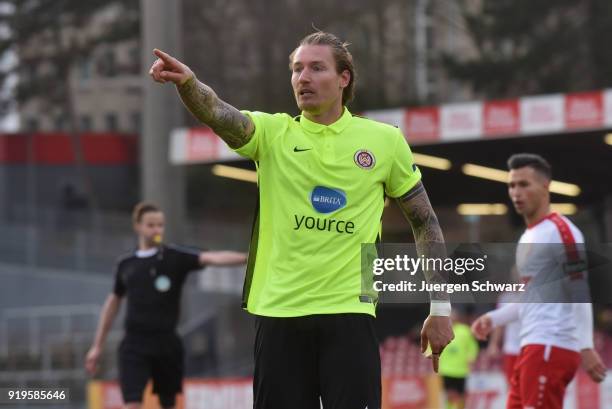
(58, 148)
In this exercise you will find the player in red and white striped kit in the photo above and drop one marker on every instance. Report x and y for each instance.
(555, 336)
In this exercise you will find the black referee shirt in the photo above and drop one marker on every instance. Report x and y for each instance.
(153, 287)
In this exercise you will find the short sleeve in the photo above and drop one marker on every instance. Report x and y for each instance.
(191, 261)
(266, 127)
(188, 259)
(252, 149)
(119, 286)
(404, 174)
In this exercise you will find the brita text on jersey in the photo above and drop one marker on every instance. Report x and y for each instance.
(325, 200)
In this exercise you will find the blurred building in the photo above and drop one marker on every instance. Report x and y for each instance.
(87, 72)
(397, 47)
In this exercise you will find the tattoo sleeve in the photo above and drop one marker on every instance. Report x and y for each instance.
(427, 233)
(235, 128)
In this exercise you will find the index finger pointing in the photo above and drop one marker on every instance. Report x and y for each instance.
(434, 360)
(164, 56)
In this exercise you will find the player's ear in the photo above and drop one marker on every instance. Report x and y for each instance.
(345, 78)
(543, 180)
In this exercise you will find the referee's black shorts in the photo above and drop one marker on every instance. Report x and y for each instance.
(157, 356)
(303, 361)
(454, 384)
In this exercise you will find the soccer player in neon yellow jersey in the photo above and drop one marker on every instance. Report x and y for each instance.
(322, 180)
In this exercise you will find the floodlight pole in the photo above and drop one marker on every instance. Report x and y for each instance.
(162, 182)
(421, 47)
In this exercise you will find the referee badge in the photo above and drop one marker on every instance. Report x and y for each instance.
(162, 283)
(364, 159)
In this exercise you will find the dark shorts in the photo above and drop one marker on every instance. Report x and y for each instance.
(156, 356)
(303, 361)
(454, 384)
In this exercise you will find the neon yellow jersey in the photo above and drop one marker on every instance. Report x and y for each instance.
(459, 354)
(321, 194)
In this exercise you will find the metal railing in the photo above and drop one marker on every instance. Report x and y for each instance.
(24, 324)
(92, 242)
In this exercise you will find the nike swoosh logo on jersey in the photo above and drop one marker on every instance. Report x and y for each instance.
(296, 149)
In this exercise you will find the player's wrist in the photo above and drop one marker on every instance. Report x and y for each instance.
(440, 308)
(186, 82)
(489, 320)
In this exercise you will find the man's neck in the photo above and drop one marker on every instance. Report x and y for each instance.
(142, 245)
(537, 216)
(327, 117)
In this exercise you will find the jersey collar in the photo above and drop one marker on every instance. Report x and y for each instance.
(146, 253)
(336, 127)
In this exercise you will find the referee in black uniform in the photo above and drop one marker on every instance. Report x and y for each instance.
(152, 278)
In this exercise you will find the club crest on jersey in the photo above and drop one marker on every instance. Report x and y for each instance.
(364, 159)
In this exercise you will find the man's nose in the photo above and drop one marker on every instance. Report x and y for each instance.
(304, 76)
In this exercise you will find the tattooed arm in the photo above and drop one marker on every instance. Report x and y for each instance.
(437, 329)
(427, 233)
(235, 128)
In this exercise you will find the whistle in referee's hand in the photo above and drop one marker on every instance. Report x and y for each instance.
(427, 353)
